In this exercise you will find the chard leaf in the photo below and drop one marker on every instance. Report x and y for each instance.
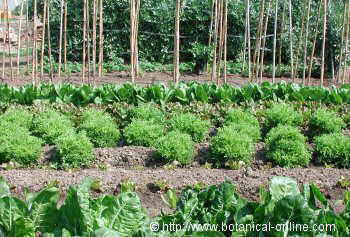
(281, 187)
(103, 232)
(4, 188)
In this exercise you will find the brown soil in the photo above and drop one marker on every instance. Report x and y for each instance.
(146, 79)
(135, 164)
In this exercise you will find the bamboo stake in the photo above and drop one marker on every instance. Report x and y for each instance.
(346, 43)
(65, 35)
(281, 34)
(34, 44)
(100, 60)
(314, 44)
(132, 47)
(19, 39)
(258, 39)
(60, 42)
(225, 40)
(49, 40)
(261, 69)
(177, 43)
(88, 40)
(9, 40)
(220, 19)
(324, 40)
(214, 70)
(344, 27)
(248, 39)
(291, 39)
(275, 44)
(211, 28)
(306, 40)
(137, 69)
(43, 42)
(245, 44)
(27, 36)
(94, 43)
(84, 40)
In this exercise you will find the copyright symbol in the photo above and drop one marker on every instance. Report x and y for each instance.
(154, 226)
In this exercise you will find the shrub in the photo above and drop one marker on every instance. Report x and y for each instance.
(323, 122)
(252, 131)
(176, 146)
(143, 133)
(20, 117)
(49, 125)
(282, 114)
(286, 147)
(100, 128)
(190, 124)
(238, 116)
(16, 144)
(231, 145)
(147, 111)
(333, 149)
(74, 149)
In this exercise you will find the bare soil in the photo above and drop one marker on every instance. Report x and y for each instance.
(146, 79)
(135, 164)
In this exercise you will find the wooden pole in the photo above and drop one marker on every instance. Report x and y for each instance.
(9, 40)
(283, 22)
(220, 19)
(43, 42)
(291, 40)
(214, 69)
(306, 40)
(258, 39)
(325, 4)
(19, 39)
(88, 40)
(211, 28)
(245, 44)
(3, 47)
(248, 39)
(49, 40)
(100, 60)
(300, 39)
(176, 73)
(84, 40)
(275, 44)
(27, 36)
(137, 68)
(344, 25)
(264, 41)
(225, 40)
(314, 44)
(94, 37)
(346, 43)
(65, 35)
(61, 41)
(34, 44)
(132, 47)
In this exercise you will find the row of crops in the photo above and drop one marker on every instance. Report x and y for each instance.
(290, 212)
(292, 137)
(184, 93)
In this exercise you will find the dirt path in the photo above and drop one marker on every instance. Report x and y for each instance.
(247, 180)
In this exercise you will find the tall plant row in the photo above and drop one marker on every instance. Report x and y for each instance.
(302, 35)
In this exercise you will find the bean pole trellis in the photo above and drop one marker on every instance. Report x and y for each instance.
(253, 53)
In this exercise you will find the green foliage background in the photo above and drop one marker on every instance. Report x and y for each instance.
(157, 26)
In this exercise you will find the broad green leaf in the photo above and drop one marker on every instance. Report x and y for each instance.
(103, 232)
(281, 187)
(4, 188)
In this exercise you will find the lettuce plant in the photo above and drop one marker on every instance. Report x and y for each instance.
(323, 122)
(143, 133)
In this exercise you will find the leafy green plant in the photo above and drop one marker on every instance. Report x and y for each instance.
(286, 147)
(50, 124)
(147, 111)
(323, 121)
(190, 124)
(19, 116)
(238, 116)
(244, 128)
(143, 133)
(231, 145)
(100, 128)
(74, 150)
(282, 114)
(333, 148)
(17, 145)
(176, 146)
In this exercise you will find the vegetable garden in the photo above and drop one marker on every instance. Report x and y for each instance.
(90, 157)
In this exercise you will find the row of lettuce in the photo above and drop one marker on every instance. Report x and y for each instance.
(212, 211)
(290, 140)
(184, 93)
